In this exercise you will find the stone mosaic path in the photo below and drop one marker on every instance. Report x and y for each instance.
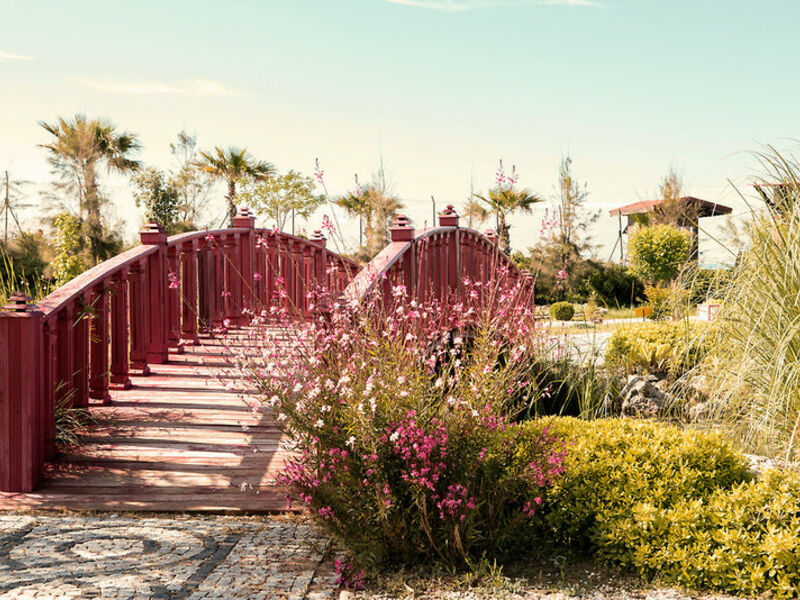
(65, 558)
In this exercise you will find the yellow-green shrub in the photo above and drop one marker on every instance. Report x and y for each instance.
(562, 311)
(671, 346)
(675, 504)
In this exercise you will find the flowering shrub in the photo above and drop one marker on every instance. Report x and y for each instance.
(404, 442)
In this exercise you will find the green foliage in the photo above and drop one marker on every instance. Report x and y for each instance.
(79, 147)
(666, 347)
(233, 165)
(658, 252)
(68, 244)
(613, 285)
(670, 301)
(159, 197)
(675, 504)
(562, 311)
(706, 284)
(278, 197)
(377, 208)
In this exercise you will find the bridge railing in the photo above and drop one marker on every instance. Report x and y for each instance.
(439, 264)
(130, 311)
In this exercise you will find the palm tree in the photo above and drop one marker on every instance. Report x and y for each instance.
(80, 146)
(377, 209)
(501, 202)
(233, 165)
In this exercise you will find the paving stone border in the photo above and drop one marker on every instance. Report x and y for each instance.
(127, 558)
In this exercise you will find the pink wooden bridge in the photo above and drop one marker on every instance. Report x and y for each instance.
(136, 340)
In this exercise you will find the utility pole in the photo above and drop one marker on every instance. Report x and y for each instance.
(433, 220)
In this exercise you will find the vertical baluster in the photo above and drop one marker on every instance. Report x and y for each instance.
(246, 221)
(80, 354)
(173, 304)
(217, 283)
(49, 375)
(189, 262)
(64, 348)
(138, 318)
(271, 269)
(228, 278)
(98, 372)
(204, 267)
(120, 379)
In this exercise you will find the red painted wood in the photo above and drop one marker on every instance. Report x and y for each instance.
(119, 332)
(21, 435)
(98, 336)
(156, 349)
(126, 301)
(138, 318)
(80, 355)
(173, 297)
(189, 308)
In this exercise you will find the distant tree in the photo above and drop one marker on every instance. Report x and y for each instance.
(192, 183)
(233, 165)
(68, 244)
(283, 196)
(501, 202)
(160, 198)
(658, 252)
(377, 208)
(79, 148)
(574, 221)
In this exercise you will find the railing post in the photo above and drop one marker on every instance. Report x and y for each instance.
(173, 304)
(139, 313)
(120, 379)
(64, 384)
(244, 219)
(204, 267)
(449, 218)
(98, 341)
(402, 231)
(155, 289)
(189, 306)
(21, 395)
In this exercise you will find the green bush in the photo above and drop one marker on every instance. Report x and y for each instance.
(614, 286)
(707, 284)
(562, 311)
(677, 504)
(657, 253)
(665, 346)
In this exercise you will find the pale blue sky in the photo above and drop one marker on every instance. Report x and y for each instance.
(442, 88)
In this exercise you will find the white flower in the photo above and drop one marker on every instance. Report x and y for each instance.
(319, 424)
(394, 437)
(351, 441)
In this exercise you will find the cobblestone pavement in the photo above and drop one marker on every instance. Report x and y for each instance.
(64, 558)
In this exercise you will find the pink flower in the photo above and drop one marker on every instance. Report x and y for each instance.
(257, 276)
(561, 275)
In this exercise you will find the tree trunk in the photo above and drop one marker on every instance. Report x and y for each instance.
(503, 235)
(231, 205)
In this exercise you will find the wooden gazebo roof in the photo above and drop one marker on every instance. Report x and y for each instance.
(704, 207)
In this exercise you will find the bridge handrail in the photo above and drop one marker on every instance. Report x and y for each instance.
(434, 262)
(131, 311)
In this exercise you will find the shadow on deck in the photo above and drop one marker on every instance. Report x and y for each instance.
(179, 440)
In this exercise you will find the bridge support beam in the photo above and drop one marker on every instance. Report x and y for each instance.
(156, 274)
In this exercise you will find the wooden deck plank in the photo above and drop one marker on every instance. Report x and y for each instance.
(182, 439)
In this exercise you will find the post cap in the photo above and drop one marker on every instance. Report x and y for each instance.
(244, 218)
(448, 217)
(153, 233)
(401, 229)
(19, 302)
(319, 238)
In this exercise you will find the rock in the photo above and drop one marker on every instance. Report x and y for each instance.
(702, 411)
(642, 398)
